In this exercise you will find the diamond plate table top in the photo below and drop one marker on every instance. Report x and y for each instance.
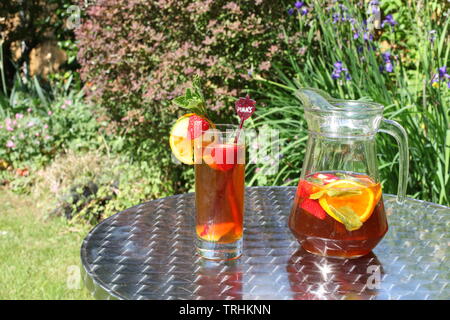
(147, 252)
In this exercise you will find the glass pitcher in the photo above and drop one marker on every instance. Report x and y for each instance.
(338, 208)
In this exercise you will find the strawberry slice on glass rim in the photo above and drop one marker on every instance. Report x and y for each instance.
(197, 126)
(221, 156)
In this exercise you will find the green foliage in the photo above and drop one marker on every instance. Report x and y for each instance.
(411, 91)
(193, 100)
(46, 128)
(88, 187)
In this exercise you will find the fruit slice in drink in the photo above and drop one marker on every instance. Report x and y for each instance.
(338, 214)
(219, 193)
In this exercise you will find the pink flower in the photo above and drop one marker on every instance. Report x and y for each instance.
(66, 104)
(208, 41)
(233, 7)
(188, 70)
(9, 128)
(45, 126)
(37, 134)
(10, 144)
(29, 110)
(264, 65)
(19, 116)
(30, 124)
(273, 49)
(49, 113)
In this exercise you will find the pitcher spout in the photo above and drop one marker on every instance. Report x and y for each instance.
(339, 118)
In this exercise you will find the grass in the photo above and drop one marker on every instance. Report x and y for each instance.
(37, 255)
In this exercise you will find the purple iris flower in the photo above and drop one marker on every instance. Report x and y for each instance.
(336, 17)
(389, 20)
(335, 75)
(290, 11)
(442, 75)
(375, 6)
(338, 65)
(299, 4)
(338, 70)
(368, 36)
(443, 72)
(304, 11)
(432, 36)
(388, 67)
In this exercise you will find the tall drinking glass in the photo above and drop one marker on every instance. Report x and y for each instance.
(219, 192)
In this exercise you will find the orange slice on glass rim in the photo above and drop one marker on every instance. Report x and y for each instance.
(362, 204)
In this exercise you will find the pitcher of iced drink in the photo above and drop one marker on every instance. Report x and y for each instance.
(338, 208)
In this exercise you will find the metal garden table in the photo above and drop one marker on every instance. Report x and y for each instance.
(147, 252)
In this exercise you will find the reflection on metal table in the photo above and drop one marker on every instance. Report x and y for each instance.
(148, 252)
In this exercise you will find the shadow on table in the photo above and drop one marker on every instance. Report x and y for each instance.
(313, 277)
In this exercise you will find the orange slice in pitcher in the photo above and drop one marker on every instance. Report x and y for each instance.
(362, 203)
(213, 232)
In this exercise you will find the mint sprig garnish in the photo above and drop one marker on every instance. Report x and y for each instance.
(193, 99)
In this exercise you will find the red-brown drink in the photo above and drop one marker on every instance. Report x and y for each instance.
(338, 214)
(219, 202)
(219, 198)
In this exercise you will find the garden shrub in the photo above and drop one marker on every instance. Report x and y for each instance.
(37, 134)
(138, 55)
(88, 187)
(141, 54)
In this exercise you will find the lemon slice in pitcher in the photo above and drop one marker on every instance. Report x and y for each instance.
(361, 203)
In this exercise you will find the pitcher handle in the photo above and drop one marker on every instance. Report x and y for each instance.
(398, 132)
